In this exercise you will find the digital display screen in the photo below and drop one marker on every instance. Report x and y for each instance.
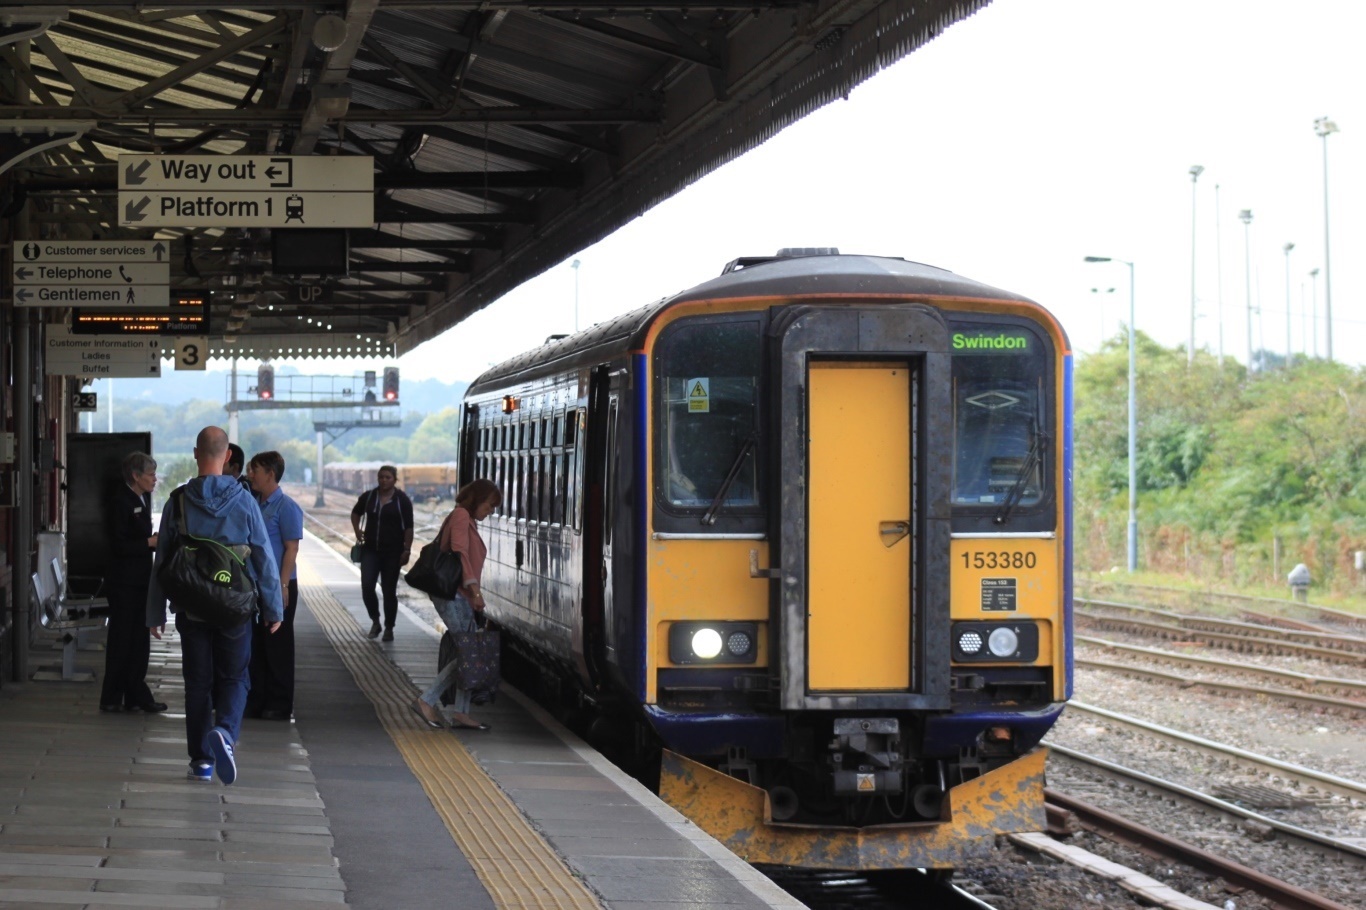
(188, 314)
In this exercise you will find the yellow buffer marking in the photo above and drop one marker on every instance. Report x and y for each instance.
(516, 865)
(860, 477)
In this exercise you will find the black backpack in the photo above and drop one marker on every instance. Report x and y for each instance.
(207, 578)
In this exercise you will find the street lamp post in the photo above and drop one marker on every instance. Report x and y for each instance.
(1133, 420)
(575, 266)
(1100, 307)
(1245, 216)
(1314, 303)
(1219, 272)
(1288, 350)
(1324, 128)
(1195, 172)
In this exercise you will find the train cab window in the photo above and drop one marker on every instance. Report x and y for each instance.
(708, 417)
(1001, 406)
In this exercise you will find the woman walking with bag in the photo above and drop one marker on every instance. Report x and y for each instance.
(460, 534)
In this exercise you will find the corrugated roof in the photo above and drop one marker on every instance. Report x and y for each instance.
(505, 135)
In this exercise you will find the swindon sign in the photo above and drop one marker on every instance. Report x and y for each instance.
(246, 191)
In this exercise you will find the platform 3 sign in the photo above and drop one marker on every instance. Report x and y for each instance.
(246, 191)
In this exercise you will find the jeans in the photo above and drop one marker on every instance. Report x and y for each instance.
(272, 660)
(214, 664)
(458, 616)
(384, 567)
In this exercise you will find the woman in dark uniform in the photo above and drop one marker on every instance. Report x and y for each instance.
(386, 543)
(131, 546)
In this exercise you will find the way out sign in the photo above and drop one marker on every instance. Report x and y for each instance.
(246, 191)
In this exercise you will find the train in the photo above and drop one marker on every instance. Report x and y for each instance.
(422, 482)
(799, 540)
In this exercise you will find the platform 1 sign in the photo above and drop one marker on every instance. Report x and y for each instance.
(100, 356)
(274, 191)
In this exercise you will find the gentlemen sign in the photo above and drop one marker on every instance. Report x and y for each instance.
(246, 191)
(132, 274)
(100, 356)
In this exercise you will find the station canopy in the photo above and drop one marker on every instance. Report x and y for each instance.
(506, 135)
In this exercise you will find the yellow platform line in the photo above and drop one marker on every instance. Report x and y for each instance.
(516, 865)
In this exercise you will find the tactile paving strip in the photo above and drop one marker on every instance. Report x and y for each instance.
(516, 865)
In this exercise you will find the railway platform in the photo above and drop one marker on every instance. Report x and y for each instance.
(355, 802)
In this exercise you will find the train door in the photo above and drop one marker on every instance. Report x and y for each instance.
(860, 418)
(602, 474)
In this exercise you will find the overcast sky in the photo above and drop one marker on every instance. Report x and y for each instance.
(1024, 138)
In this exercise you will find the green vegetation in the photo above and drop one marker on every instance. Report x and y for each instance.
(1240, 476)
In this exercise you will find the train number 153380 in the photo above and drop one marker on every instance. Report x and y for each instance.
(999, 559)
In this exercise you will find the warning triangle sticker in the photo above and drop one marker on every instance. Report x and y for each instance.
(698, 391)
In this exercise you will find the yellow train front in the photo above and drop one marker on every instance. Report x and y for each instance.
(804, 530)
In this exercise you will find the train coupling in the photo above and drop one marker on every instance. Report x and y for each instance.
(865, 755)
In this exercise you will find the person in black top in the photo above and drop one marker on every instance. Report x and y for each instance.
(386, 544)
(131, 545)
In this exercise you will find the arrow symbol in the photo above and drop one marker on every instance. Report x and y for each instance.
(22, 273)
(133, 212)
(133, 175)
(159, 249)
(23, 294)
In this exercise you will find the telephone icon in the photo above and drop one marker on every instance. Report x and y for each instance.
(124, 275)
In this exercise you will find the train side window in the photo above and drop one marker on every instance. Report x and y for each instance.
(546, 485)
(557, 496)
(557, 432)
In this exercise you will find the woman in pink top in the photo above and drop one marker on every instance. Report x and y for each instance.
(460, 534)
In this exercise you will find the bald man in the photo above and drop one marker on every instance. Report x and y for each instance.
(214, 661)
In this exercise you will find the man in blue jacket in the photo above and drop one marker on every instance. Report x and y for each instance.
(214, 661)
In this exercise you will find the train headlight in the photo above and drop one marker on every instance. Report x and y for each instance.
(997, 642)
(1003, 642)
(705, 642)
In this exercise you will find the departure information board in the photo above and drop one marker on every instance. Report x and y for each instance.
(188, 314)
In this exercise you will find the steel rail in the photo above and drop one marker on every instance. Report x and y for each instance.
(1313, 638)
(1289, 676)
(1144, 838)
(1339, 786)
(1290, 695)
(1230, 641)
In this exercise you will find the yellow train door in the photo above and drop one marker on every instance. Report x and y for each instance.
(859, 511)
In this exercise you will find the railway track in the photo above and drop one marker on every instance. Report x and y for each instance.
(1344, 696)
(1307, 779)
(1315, 615)
(1238, 637)
(1066, 812)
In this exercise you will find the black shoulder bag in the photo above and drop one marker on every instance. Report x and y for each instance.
(207, 578)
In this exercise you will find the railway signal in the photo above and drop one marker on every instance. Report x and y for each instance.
(391, 383)
(265, 382)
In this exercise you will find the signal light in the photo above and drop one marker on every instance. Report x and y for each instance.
(265, 382)
(391, 383)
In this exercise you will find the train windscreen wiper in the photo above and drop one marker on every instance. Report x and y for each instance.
(709, 516)
(1027, 468)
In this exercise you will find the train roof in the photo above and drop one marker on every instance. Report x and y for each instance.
(788, 274)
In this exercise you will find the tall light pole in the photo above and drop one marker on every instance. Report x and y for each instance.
(1245, 216)
(1133, 419)
(1314, 302)
(1195, 172)
(1324, 128)
(1219, 271)
(575, 266)
(1288, 350)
